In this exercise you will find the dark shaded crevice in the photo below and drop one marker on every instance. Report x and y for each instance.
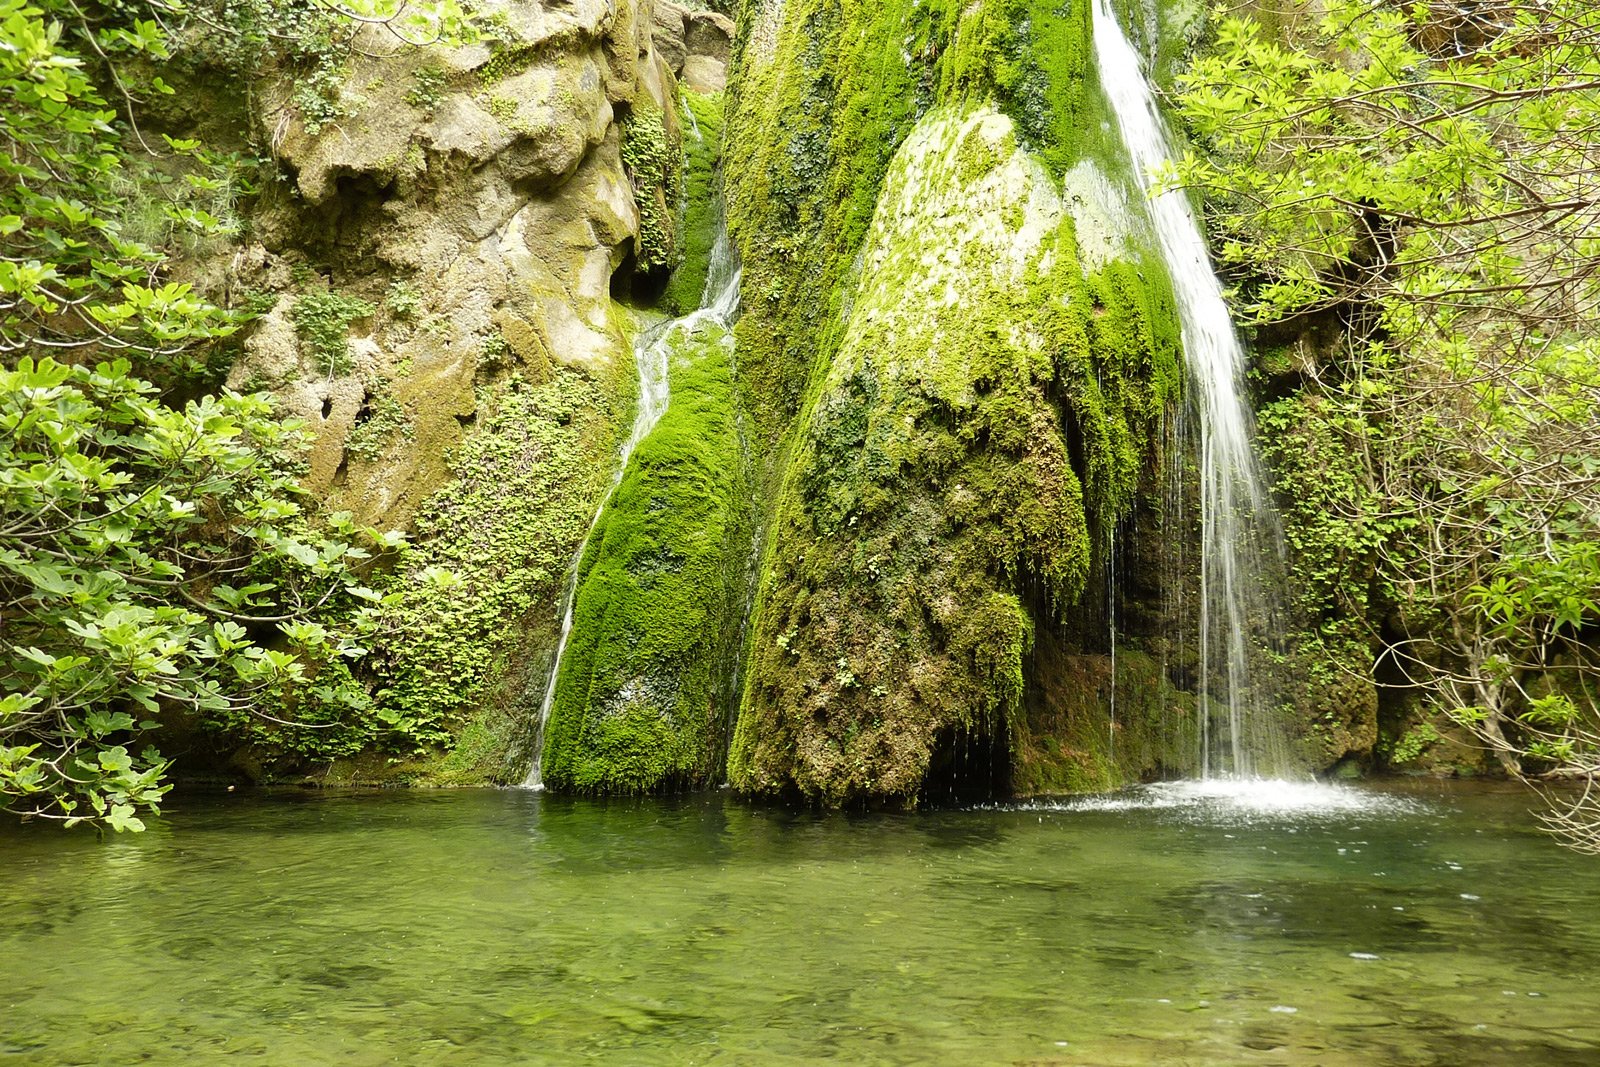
(969, 765)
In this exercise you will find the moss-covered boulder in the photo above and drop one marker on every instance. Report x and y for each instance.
(643, 695)
(959, 453)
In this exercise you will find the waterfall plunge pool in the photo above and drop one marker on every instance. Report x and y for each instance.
(1187, 924)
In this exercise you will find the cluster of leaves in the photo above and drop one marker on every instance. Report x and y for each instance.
(654, 161)
(70, 276)
(323, 319)
(152, 561)
(155, 562)
(371, 436)
(1424, 172)
(427, 89)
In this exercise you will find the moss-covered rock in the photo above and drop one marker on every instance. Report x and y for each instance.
(986, 413)
(471, 625)
(643, 699)
(1098, 722)
(701, 204)
(473, 203)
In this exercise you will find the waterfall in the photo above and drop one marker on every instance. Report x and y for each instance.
(652, 353)
(1235, 513)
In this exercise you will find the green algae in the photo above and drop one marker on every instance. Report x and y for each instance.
(641, 700)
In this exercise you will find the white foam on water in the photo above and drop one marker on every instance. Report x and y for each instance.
(1228, 799)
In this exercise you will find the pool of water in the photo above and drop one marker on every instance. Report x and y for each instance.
(1187, 924)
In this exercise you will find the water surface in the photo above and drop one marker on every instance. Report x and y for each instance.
(1177, 925)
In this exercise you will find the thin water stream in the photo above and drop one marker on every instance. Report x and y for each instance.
(1236, 516)
(1226, 924)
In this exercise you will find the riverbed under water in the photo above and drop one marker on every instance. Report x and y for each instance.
(1182, 924)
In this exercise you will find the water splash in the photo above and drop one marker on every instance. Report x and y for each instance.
(1232, 800)
(1235, 515)
(652, 353)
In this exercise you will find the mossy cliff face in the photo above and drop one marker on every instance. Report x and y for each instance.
(441, 252)
(642, 698)
(950, 474)
(824, 93)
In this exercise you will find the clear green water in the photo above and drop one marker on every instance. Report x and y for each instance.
(507, 928)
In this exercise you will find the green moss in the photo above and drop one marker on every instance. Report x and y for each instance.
(508, 59)
(817, 115)
(502, 108)
(936, 492)
(386, 418)
(702, 149)
(1313, 449)
(474, 596)
(641, 699)
(1068, 743)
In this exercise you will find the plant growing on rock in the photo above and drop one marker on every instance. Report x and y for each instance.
(323, 319)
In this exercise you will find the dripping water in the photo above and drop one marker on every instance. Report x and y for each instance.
(1235, 515)
(652, 354)
(1111, 625)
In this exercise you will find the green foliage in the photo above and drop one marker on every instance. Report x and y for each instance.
(72, 274)
(1414, 743)
(376, 432)
(403, 299)
(641, 701)
(496, 351)
(1418, 169)
(323, 319)
(152, 561)
(427, 89)
(1426, 158)
(653, 160)
(319, 97)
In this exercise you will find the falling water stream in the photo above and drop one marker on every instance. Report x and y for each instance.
(652, 352)
(1235, 513)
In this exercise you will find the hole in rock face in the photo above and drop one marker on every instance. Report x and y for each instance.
(622, 277)
(969, 765)
(327, 408)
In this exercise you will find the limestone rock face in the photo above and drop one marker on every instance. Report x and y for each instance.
(476, 200)
(695, 44)
(439, 252)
